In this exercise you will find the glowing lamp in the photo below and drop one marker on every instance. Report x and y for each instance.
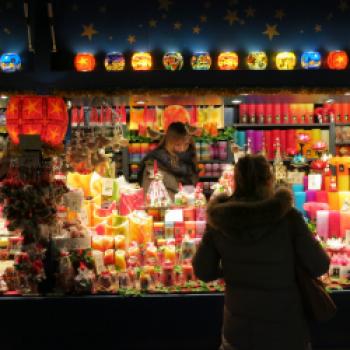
(337, 59)
(201, 61)
(228, 61)
(319, 146)
(84, 62)
(286, 60)
(141, 61)
(10, 62)
(311, 60)
(173, 61)
(114, 61)
(303, 138)
(37, 115)
(257, 60)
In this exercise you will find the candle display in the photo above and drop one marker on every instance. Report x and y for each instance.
(322, 223)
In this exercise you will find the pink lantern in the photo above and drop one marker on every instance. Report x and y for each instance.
(319, 146)
(318, 164)
(312, 207)
(303, 138)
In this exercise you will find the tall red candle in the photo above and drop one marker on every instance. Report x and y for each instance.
(285, 113)
(268, 113)
(260, 113)
(321, 197)
(252, 113)
(268, 143)
(277, 113)
(334, 223)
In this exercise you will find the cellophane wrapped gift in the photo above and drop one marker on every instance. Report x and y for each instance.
(107, 282)
(225, 184)
(157, 195)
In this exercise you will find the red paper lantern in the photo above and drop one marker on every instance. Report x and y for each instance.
(37, 115)
(84, 62)
(337, 59)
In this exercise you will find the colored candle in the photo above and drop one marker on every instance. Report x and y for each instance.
(109, 257)
(333, 200)
(306, 183)
(344, 196)
(169, 253)
(189, 214)
(310, 196)
(299, 199)
(343, 182)
(120, 242)
(322, 223)
(97, 243)
(344, 222)
(334, 223)
(140, 227)
(321, 197)
(298, 187)
(119, 260)
(200, 228)
(190, 228)
(108, 242)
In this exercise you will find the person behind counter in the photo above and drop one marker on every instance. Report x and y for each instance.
(176, 157)
(253, 240)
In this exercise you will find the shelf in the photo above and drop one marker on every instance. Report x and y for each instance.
(274, 126)
(342, 124)
(343, 143)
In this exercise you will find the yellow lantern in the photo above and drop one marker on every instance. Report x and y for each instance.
(286, 60)
(257, 60)
(228, 60)
(141, 61)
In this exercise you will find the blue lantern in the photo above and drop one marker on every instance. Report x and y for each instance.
(10, 62)
(311, 60)
(114, 61)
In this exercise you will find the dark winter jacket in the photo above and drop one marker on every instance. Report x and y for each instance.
(254, 245)
(185, 172)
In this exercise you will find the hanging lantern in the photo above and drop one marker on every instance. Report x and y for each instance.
(10, 62)
(257, 60)
(37, 115)
(228, 61)
(286, 60)
(173, 61)
(337, 59)
(141, 61)
(311, 60)
(84, 62)
(201, 61)
(114, 61)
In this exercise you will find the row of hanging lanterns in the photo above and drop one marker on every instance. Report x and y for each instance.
(10, 62)
(256, 60)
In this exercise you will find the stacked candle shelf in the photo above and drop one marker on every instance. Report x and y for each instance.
(276, 113)
(211, 151)
(137, 151)
(260, 139)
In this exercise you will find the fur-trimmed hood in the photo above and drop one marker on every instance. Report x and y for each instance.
(248, 219)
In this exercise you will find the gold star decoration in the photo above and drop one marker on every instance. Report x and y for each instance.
(103, 9)
(318, 28)
(279, 14)
(89, 31)
(330, 16)
(196, 29)
(131, 39)
(203, 18)
(231, 17)
(164, 4)
(152, 23)
(56, 108)
(7, 31)
(177, 25)
(343, 5)
(31, 107)
(75, 7)
(207, 4)
(271, 31)
(250, 12)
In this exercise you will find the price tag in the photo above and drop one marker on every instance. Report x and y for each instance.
(314, 182)
(107, 186)
(174, 215)
(99, 264)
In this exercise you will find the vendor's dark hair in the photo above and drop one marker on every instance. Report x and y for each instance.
(253, 178)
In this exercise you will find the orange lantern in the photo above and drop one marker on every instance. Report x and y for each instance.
(337, 60)
(175, 113)
(37, 115)
(84, 62)
(228, 61)
(141, 61)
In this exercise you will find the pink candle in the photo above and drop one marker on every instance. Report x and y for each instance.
(322, 227)
(306, 182)
(321, 197)
(334, 223)
(344, 222)
(310, 196)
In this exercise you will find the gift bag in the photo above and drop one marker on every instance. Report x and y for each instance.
(130, 200)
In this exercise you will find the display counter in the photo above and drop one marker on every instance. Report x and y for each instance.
(189, 321)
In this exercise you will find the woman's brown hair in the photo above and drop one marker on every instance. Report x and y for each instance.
(253, 178)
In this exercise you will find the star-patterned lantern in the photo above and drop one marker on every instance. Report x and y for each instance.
(114, 61)
(337, 59)
(173, 61)
(37, 115)
(257, 60)
(228, 61)
(84, 62)
(10, 62)
(201, 61)
(286, 60)
(311, 60)
(141, 61)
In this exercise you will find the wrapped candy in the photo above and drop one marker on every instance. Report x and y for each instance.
(107, 282)
(181, 198)
(84, 281)
(169, 254)
(134, 255)
(168, 275)
(157, 195)
(188, 249)
(200, 200)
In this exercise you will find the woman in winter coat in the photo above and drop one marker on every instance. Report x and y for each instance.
(253, 240)
(176, 158)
